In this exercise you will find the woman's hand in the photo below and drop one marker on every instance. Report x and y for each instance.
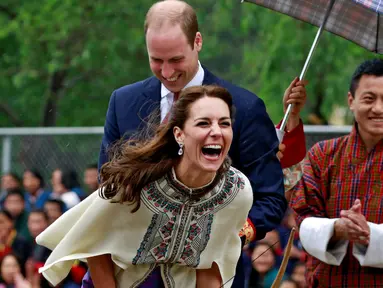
(209, 278)
(102, 271)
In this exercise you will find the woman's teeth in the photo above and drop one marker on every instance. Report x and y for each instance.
(212, 150)
(213, 146)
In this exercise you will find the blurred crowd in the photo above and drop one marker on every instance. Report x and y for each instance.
(28, 207)
(265, 257)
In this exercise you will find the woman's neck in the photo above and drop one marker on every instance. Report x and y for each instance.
(193, 178)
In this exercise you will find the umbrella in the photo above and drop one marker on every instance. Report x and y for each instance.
(360, 21)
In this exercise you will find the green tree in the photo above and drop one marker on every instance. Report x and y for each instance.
(65, 57)
(60, 60)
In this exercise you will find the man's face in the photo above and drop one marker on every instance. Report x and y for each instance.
(53, 211)
(6, 226)
(15, 204)
(31, 183)
(367, 105)
(172, 59)
(8, 182)
(36, 224)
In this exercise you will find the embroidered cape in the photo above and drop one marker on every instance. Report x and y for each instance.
(171, 229)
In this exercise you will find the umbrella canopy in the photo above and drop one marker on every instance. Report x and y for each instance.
(360, 21)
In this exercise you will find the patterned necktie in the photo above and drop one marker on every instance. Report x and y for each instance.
(175, 98)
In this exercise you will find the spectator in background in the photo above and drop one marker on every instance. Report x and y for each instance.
(264, 270)
(10, 241)
(11, 273)
(34, 184)
(37, 223)
(91, 178)
(9, 181)
(14, 203)
(289, 283)
(54, 209)
(62, 181)
(72, 181)
(297, 254)
(298, 274)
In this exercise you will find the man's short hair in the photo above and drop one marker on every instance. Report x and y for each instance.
(186, 18)
(16, 191)
(58, 202)
(372, 67)
(39, 211)
(14, 175)
(36, 173)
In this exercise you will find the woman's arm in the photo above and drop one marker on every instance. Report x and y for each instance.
(102, 271)
(209, 278)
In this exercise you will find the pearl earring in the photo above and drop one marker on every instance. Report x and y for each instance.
(181, 151)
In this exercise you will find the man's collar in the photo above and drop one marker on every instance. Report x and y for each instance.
(196, 81)
(356, 149)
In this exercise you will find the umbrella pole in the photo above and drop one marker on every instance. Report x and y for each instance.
(308, 60)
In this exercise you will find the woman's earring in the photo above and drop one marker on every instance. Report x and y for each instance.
(181, 151)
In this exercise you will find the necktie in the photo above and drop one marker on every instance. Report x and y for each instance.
(175, 98)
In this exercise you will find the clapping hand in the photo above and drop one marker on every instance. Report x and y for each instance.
(353, 225)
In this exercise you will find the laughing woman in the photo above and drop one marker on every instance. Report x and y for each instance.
(171, 206)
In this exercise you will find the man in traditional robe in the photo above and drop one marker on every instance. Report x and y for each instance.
(339, 200)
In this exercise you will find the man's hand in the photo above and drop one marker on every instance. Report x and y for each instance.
(295, 94)
(346, 229)
(352, 226)
(281, 148)
(356, 218)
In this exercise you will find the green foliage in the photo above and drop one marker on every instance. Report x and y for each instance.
(60, 60)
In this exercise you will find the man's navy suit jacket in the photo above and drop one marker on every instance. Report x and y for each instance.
(253, 150)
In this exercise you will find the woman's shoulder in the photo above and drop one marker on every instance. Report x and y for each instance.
(238, 177)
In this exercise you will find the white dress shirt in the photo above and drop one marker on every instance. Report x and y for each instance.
(167, 96)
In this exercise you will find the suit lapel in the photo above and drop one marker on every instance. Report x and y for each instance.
(209, 78)
(151, 99)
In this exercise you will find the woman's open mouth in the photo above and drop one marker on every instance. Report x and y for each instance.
(212, 152)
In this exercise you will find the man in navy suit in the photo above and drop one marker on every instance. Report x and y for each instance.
(173, 44)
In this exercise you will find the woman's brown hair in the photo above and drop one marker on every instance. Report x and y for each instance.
(139, 162)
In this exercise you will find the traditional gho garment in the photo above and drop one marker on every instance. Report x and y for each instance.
(336, 173)
(176, 228)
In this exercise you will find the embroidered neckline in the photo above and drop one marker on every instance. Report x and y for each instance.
(192, 193)
(174, 178)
